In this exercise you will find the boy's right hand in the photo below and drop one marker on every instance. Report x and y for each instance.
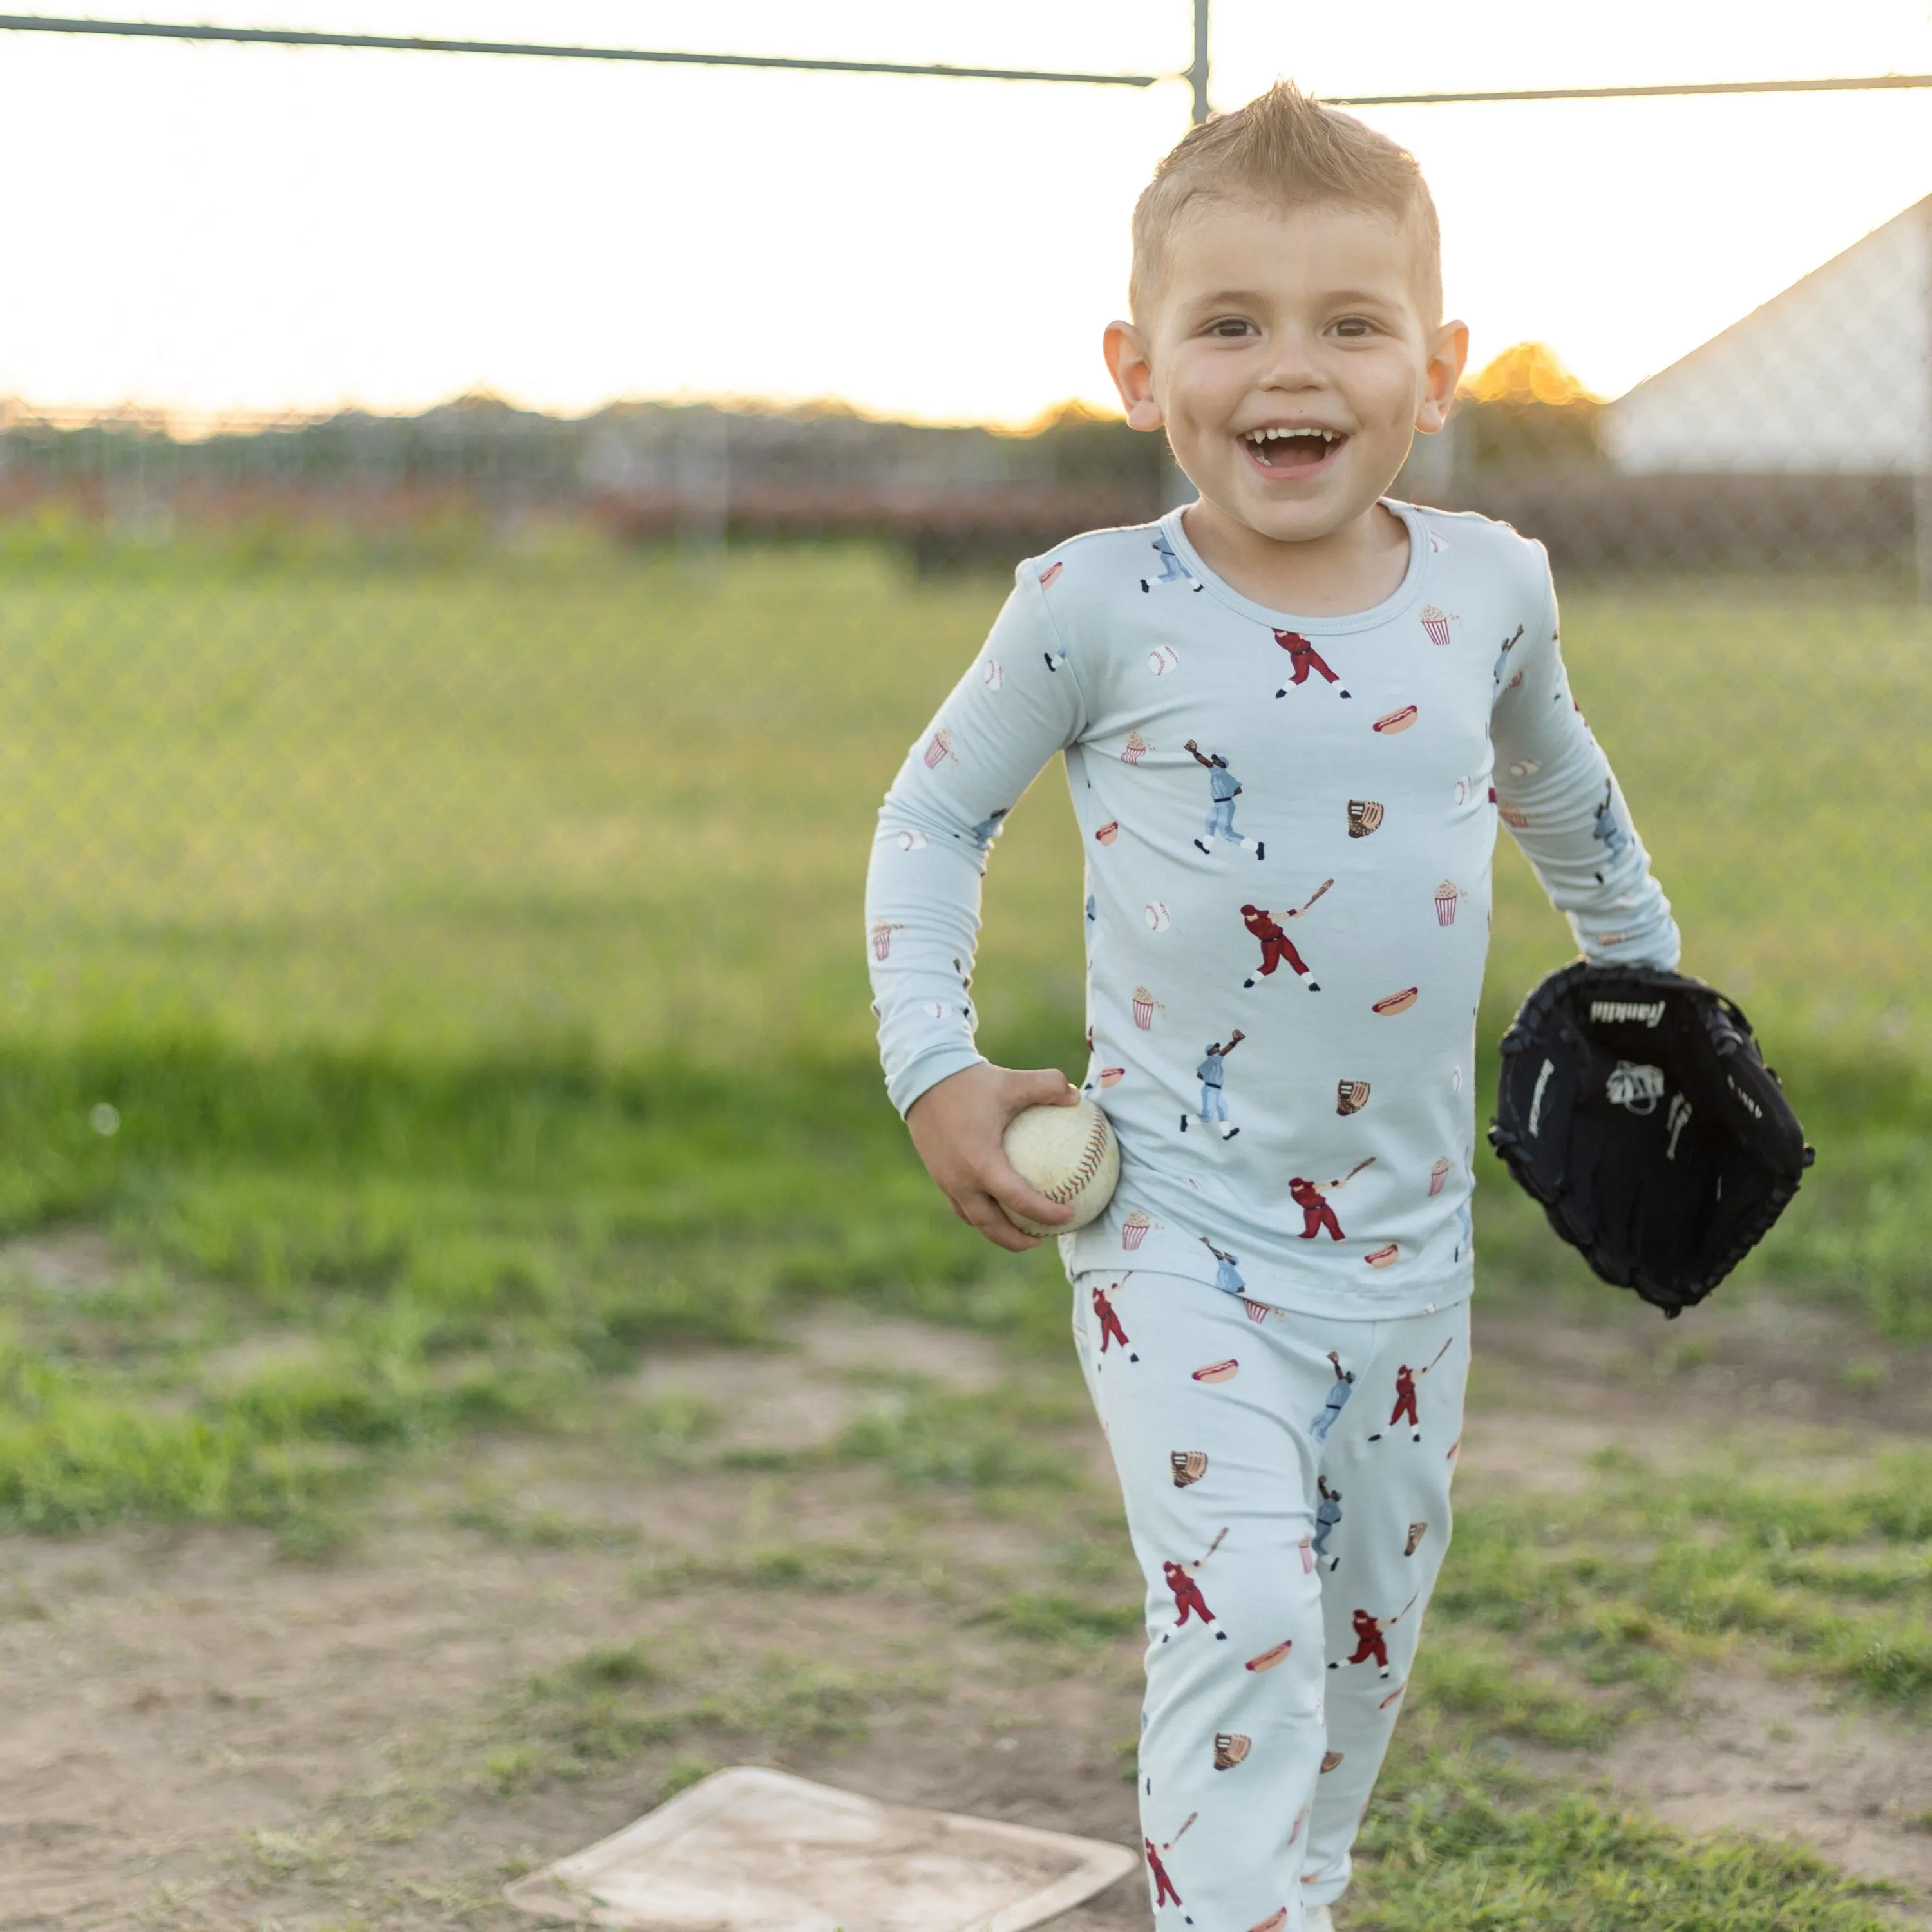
(957, 1127)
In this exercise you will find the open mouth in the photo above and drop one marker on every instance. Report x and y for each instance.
(1291, 452)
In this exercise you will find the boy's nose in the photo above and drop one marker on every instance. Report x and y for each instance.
(1291, 363)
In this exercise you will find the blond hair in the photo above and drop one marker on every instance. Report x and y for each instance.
(1287, 151)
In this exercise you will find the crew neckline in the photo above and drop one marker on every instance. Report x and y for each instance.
(1404, 594)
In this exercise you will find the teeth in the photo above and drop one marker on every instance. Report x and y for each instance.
(1276, 435)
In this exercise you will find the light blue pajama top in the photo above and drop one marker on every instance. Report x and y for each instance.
(1324, 951)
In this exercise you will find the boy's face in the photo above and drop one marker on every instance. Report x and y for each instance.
(1304, 320)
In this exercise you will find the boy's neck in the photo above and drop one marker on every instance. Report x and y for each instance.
(1351, 568)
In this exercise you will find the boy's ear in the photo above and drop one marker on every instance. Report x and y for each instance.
(1133, 375)
(1446, 361)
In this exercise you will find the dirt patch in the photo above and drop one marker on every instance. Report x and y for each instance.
(1776, 1756)
(72, 1259)
(1742, 1357)
(801, 1395)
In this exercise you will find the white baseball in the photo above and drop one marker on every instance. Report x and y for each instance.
(912, 841)
(993, 675)
(1158, 917)
(1069, 1154)
(1163, 660)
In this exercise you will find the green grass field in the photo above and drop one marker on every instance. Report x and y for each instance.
(443, 981)
(475, 940)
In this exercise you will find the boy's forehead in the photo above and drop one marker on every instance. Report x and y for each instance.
(1320, 241)
(1224, 246)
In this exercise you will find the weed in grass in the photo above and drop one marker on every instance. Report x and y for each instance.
(977, 1441)
(681, 1773)
(753, 1456)
(1484, 1684)
(523, 1526)
(615, 1703)
(1046, 1617)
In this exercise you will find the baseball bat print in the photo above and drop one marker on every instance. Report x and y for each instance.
(1314, 896)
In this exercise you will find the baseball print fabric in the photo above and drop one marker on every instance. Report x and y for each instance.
(1288, 824)
(1286, 1481)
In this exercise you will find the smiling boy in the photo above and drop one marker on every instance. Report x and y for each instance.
(1285, 335)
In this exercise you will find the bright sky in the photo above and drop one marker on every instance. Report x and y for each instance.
(211, 228)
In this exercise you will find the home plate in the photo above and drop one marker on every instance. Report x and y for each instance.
(750, 1850)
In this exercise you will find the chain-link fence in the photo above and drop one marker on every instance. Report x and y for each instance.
(480, 722)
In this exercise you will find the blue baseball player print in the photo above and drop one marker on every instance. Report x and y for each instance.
(1212, 1075)
(983, 832)
(1503, 656)
(1172, 570)
(1327, 1514)
(1340, 1391)
(1227, 1276)
(1605, 829)
(1223, 788)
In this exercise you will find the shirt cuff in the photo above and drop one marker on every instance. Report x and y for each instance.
(920, 1075)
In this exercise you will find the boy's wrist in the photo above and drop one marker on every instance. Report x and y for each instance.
(910, 1084)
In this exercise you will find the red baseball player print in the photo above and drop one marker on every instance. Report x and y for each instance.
(1108, 1317)
(1317, 1214)
(1164, 1891)
(1188, 1600)
(1303, 658)
(1372, 1638)
(1277, 948)
(1405, 1392)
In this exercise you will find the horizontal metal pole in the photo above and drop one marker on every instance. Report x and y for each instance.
(1857, 83)
(291, 37)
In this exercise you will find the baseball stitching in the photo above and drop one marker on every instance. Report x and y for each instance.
(1089, 1165)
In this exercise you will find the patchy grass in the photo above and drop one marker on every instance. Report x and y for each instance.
(612, 1705)
(1650, 1569)
(1456, 1838)
(978, 1441)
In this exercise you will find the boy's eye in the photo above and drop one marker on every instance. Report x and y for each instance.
(1228, 325)
(1354, 325)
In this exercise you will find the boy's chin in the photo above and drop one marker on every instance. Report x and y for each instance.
(1307, 519)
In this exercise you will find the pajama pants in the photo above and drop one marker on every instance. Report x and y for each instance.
(1241, 1433)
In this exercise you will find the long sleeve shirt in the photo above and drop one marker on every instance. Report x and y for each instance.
(1288, 824)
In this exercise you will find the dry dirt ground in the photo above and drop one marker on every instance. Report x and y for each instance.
(201, 1734)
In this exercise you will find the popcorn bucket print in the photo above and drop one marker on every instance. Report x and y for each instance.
(1438, 1174)
(1436, 623)
(941, 748)
(1134, 1229)
(882, 939)
(1448, 896)
(1144, 1003)
(1137, 748)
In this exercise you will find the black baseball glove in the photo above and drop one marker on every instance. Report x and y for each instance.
(1635, 1106)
